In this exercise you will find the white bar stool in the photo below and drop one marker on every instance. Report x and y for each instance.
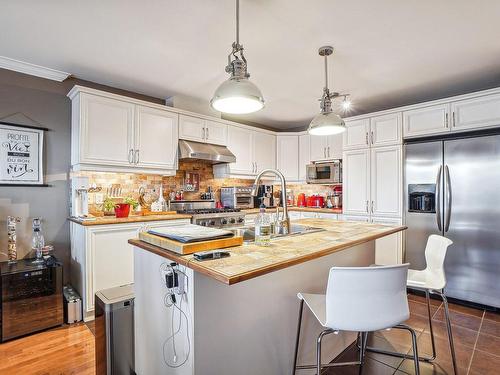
(359, 299)
(431, 280)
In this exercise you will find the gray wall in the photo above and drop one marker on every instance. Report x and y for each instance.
(30, 100)
(40, 102)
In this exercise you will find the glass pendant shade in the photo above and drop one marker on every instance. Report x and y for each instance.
(326, 123)
(237, 96)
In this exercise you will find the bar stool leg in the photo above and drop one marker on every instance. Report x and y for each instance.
(299, 324)
(318, 350)
(448, 328)
(415, 356)
(428, 298)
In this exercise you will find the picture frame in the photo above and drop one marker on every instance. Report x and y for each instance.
(21, 155)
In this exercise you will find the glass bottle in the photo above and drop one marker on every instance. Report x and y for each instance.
(37, 242)
(263, 227)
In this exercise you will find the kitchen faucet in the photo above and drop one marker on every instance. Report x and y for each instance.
(282, 225)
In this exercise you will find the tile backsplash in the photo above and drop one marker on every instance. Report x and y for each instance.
(130, 183)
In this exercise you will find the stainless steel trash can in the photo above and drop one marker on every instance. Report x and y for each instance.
(114, 331)
(72, 305)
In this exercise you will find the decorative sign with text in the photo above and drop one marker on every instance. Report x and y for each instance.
(21, 155)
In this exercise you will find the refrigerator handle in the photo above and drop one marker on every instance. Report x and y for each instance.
(438, 198)
(448, 198)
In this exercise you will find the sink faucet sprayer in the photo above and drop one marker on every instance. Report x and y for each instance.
(282, 225)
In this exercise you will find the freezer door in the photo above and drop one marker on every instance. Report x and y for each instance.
(472, 219)
(423, 175)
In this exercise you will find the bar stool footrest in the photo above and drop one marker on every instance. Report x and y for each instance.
(334, 364)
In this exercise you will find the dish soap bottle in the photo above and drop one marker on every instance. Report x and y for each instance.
(263, 227)
(38, 242)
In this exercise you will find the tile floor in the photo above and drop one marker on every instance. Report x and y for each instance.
(476, 335)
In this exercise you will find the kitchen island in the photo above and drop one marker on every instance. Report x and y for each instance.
(241, 312)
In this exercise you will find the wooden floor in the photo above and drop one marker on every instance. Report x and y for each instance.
(61, 351)
(70, 349)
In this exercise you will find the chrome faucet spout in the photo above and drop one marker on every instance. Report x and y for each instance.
(285, 221)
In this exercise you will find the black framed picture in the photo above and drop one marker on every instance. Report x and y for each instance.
(21, 154)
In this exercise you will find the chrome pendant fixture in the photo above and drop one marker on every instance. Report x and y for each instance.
(237, 95)
(327, 122)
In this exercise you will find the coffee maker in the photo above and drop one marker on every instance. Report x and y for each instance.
(264, 195)
(79, 197)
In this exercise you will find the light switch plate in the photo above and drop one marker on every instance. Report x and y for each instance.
(99, 198)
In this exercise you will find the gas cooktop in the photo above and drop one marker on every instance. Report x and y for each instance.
(203, 211)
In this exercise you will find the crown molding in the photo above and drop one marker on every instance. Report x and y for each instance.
(32, 69)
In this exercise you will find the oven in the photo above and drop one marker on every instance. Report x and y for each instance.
(325, 173)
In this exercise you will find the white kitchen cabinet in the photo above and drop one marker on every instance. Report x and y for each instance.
(288, 156)
(101, 257)
(389, 249)
(483, 111)
(304, 155)
(200, 130)
(240, 142)
(426, 121)
(356, 135)
(103, 131)
(254, 150)
(325, 147)
(117, 134)
(386, 130)
(264, 151)
(356, 182)
(386, 181)
(155, 138)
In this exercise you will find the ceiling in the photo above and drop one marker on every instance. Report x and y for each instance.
(387, 52)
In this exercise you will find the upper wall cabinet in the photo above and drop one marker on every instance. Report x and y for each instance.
(357, 133)
(426, 121)
(384, 130)
(155, 138)
(255, 150)
(325, 147)
(288, 156)
(483, 111)
(201, 130)
(110, 133)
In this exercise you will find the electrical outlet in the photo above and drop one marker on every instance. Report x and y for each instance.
(99, 198)
(91, 198)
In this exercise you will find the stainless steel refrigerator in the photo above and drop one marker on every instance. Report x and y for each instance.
(452, 188)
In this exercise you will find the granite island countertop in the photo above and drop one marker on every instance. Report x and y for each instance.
(249, 261)
(105, 220)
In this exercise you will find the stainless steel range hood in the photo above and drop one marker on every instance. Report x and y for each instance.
(215, 154)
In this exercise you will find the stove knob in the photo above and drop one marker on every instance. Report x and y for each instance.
(204, 223)
(212, 223)
(223, 221)
(241, 220)
(232, 221)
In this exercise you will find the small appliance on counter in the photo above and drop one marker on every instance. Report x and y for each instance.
(316, 201)
(325, 172)
(301, 200)
(79, 197)
(237, 197)
(264, 195)
(31, 297)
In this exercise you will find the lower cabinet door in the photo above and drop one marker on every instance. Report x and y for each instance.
(389, 249)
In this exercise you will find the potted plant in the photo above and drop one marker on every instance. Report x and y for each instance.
(123, 209)
(108, 207)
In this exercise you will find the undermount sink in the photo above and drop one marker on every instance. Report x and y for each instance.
(248, 232)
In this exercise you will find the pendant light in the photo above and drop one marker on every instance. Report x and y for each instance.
(237, 95)
(327, 122)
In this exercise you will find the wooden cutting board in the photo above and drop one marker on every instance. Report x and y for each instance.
(151, 213)
(191, 247)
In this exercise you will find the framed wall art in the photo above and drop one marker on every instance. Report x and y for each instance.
(21, 154)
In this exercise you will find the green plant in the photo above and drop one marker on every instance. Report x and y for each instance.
(133, 202)
(108, 205)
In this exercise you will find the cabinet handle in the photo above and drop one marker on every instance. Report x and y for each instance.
(453, 119)
(367, 204)
(131, 156)
(255, 167)
(203, 134)
(328, 151)
(372, 137)
(372, 206)
(136, 157)
(207, 133)
(446, 120)
(366, 138)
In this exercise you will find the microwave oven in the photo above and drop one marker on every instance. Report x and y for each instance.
(325, 173)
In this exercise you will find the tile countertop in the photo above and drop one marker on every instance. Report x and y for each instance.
(249, 261)
(300, 209)
(104, 220)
